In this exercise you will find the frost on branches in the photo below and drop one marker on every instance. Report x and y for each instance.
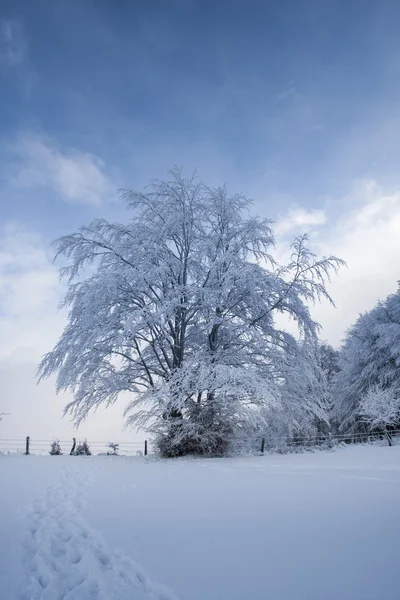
(303, 409)
(370, 364)
(380, 408)
(328, 360)
(177, 307)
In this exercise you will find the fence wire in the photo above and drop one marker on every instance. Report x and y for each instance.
(42, 447)
(258, 443)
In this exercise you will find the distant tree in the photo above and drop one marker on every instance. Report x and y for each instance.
(329, 361)
(178, 308)
(55, 449)
(369, 360)
(83, 449)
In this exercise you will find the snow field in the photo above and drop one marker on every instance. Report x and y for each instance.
(305, 527)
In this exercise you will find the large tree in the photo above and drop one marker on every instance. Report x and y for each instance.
(177, 308)
(369, 361)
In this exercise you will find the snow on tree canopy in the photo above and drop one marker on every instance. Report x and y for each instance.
(380, 408)
(304, 396)
(369, 361)
(178, 308)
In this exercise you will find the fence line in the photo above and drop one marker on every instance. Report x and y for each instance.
(329, 439)
(103, 442)
(260, 443)
(34, 446)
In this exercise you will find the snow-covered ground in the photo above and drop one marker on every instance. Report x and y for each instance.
(310, 526)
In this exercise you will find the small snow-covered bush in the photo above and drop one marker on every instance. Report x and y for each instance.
(55, 449)
(197, 437)
(83, 449)
(380, 407)
(114, 448)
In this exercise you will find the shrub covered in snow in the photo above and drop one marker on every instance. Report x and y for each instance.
(114, 448)
(380, 408)
(55, 449)
(83, 449)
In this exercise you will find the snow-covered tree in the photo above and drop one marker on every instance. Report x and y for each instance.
(370, 357)
(177, 308)
(303, 407)
(380, 409)
(55, 449)
(328, 361)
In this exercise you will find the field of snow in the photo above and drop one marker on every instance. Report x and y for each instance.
(312, 526)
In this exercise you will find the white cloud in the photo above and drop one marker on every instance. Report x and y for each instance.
(13, 44)
(29, 326)
(29, 295)
(14, 55)
(366, 234)
(299, 219)
(77, 177)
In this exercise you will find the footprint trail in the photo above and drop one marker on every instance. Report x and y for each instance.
(64, 559)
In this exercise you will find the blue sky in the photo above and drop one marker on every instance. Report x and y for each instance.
(295, 103)
(269, 96)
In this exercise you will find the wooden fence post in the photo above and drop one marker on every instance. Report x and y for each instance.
(73, 446)
(145, 447)
(28, 439)
(262, 445)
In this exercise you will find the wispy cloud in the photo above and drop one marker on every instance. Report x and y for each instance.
(14, 55)
(299, 219)
(289, 92)
(365, 232)
(77, 177)
(13, 43)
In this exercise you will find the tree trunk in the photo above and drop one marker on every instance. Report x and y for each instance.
(389, 437)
